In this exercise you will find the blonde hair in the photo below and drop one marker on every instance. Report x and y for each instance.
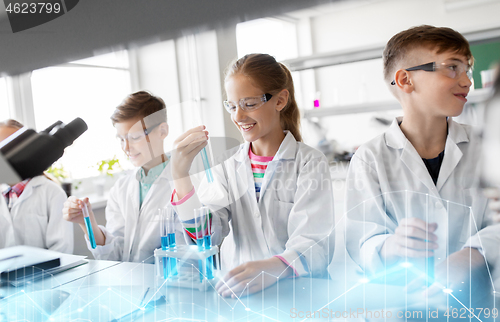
(272, 77)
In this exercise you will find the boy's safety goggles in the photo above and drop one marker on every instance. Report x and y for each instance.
(137, 136)
(449, 68)
(247, 104)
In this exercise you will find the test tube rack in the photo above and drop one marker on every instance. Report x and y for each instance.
(188, 274)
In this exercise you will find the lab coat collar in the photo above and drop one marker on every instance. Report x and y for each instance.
(395, 138)
(286, 151)
(33, 183)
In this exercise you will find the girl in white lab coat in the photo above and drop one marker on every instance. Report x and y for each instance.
(31, 210)
(132, 228)
(271, 197)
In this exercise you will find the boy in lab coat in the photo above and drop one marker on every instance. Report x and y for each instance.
(31, 210)
(412, 191)
(132, 231)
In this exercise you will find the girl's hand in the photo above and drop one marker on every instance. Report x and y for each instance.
(72, 210)
(186, 147)
(252, 277)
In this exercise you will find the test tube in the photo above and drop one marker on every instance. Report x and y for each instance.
(206, 165)
(171, 238)
(164, 239)
(429, 262)
(208, 243)
(198, 228)
(88, 225)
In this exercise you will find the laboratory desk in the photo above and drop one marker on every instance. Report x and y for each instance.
(114, 291)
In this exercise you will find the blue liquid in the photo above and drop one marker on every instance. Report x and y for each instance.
(173, 261)
(199, 242)
(164, 242)
(429, 262)
(210, 260)
(164, 246)
(90, 232)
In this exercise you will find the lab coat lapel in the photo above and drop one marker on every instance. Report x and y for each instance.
(7, 237)
(452, 153)
(27, 192)
(415, 164)
(409, 156)
(286, 151)
(132, 216)
(244, 170)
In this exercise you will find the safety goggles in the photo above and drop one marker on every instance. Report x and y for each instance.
(137, 136)
(449, 68)
(247, 104)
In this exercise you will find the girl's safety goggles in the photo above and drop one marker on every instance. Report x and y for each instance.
(247, 104)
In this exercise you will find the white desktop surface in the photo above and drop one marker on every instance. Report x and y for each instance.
(104, 290)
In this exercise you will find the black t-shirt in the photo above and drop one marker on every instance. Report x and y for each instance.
(434, 165)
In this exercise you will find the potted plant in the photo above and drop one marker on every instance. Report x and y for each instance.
(106, 168)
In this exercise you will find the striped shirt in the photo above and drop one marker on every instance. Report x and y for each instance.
(259, 166)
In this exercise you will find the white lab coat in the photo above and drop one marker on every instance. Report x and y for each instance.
(293, 218)
(132, 234)
(36, 218)
(387, 181)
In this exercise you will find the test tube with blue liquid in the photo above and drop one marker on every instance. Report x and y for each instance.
(88, 225)
(208, 243)
(164, 239)
(198, 228)
(206, 165)
(171, 239)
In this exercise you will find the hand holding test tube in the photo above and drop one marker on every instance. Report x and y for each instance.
(88, 225)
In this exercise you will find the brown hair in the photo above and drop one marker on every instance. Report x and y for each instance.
(441, 38)
(11, 123)
(272, 77)
(140, 105)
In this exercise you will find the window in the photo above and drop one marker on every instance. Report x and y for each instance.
(4, 102)
(268, 36)
(90, 89)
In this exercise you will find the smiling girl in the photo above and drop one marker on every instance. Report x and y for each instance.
(271, 198)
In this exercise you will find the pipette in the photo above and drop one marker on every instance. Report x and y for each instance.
(88, 225)
(171, 238)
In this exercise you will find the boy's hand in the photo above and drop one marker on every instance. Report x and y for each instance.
(72, 210)
(252, 277)
(413, 238)
(463, 272)
(494, 195)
